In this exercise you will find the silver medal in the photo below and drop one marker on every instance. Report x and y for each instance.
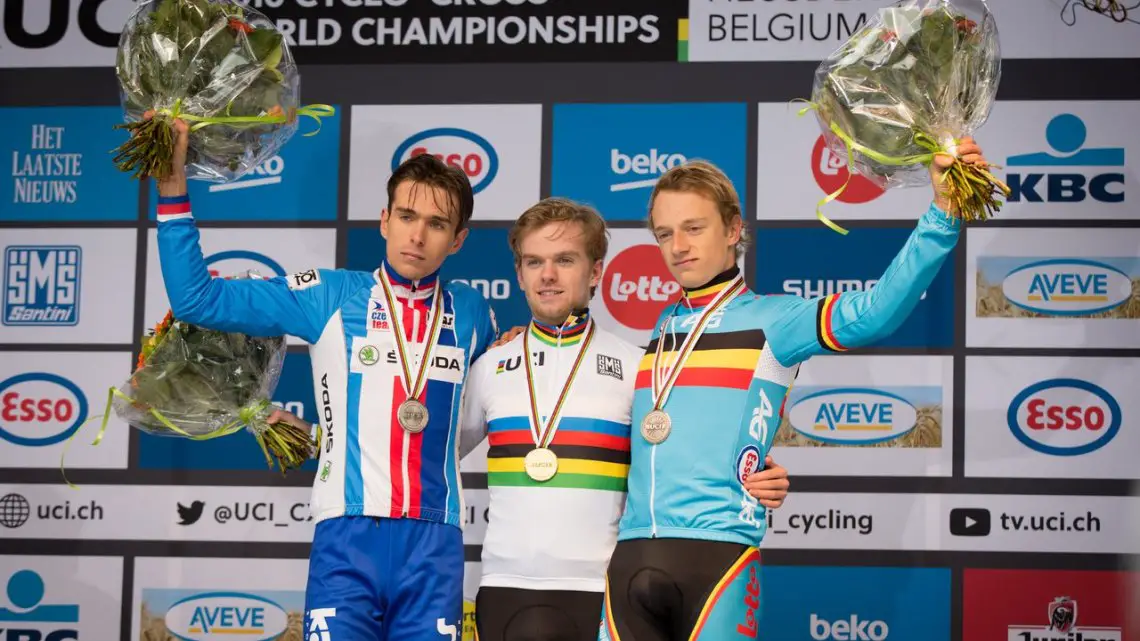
(412, 415)
(655, 427)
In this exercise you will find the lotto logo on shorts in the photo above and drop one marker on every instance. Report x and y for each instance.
(319, 625)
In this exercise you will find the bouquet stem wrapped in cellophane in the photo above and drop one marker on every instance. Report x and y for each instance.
(916, 79)
(200, 384)
(223, 68)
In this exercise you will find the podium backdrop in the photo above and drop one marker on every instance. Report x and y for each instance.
(959, 481)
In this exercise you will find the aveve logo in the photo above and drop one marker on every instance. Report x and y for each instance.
(236, 262)
(456, 147)
(214, 616)
(637, 285)
(38, 409)
(1067, 286)
(853, 416)
(1064, 417)
(831, 171)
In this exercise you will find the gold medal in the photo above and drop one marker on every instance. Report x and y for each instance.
(541, 464)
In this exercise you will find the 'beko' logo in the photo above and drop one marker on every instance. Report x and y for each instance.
(853, 416)
(37, 409)
(1066, 133)
(460, 148)
(1067, 287)
(1064, 417)
(213, 616)
(640, 171)
(237, 262)
(267, 173)
(852, 629)
(636, 286)
(831, 172)
(29, 620)
(1062, 624)
(41, 285)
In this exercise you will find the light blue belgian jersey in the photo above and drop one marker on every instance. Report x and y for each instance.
(726, 403)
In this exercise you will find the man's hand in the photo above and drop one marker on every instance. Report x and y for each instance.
(279, 415)
(770, 485)
(175, 183)
(508, 335)
(969, 153)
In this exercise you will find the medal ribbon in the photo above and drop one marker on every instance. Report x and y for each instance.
(550, 428)
(413, 388)
(661, 391)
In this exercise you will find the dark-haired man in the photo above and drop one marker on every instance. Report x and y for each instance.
(387, 555)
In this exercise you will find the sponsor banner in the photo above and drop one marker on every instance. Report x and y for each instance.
(50, 398)
(855, 603)
(1053, 288)
(294, 393)
(795, 170)
(1050, 417)
(60, 169)
(66, 285)
(212, 599)
(499, 147)
(62, 33)
(611, 156)
(1042, 605)
(229, 252)
(60, 598)
(299, 183)
(485, 263)
(788, 262)
(869, 416)
(812, 30)
(1064, 159)
(177, 513)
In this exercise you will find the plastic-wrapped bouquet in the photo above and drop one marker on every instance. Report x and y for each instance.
(911, 83)
(223, 68)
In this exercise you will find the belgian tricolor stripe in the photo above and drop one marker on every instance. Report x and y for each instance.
(726, 359)
(825, 311)
(592, 453)
(749, 555)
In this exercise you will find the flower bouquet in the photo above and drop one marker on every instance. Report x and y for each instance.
(913, 81)
(221, 67)
(200, 384)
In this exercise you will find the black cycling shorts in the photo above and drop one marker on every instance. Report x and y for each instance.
(681, 589)
(513, 614)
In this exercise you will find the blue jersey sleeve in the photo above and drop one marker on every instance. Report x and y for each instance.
(299, 305)
(803, 328)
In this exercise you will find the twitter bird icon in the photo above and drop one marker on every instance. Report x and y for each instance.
(190, 515)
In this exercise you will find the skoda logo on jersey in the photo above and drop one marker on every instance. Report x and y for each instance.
(456, 147)
(369, 355)
(1070, 173)
(233, 263)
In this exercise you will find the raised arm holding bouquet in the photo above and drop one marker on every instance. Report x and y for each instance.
(908, 89)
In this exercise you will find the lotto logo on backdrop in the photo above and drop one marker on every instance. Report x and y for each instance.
(636, 286)
(904, 416)
(38, 409)
(611, 156)
(1064, 417)
(217, 614)
(831, 173)
(1047, 605)
(42, 285)
(1038, 287)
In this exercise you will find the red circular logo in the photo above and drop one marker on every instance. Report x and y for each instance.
(636, 286)
(830, 171)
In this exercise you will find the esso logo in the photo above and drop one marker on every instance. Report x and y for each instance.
(636, 286)
(38, 409)
(1064, 417)
(230, 264)
(460, 148)
(830, 170)
(747, 463)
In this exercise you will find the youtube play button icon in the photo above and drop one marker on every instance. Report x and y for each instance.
(969, 521)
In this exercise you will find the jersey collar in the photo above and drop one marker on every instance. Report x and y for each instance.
(569, 333)
(700, 296)
(404, 287)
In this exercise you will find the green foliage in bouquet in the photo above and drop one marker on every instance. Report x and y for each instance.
(222, 68)
(905, 88)
(202, 384)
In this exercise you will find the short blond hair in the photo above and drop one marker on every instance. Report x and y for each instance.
(556, 210)
(704, 178)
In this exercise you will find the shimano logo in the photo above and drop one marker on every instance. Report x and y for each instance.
(818, 287)
(646, 167)
(852, 629)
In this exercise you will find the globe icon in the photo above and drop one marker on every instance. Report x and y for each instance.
(14, 510)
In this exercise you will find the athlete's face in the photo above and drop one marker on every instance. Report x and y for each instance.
(555, 271)
(693, 239)
(420, 230)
